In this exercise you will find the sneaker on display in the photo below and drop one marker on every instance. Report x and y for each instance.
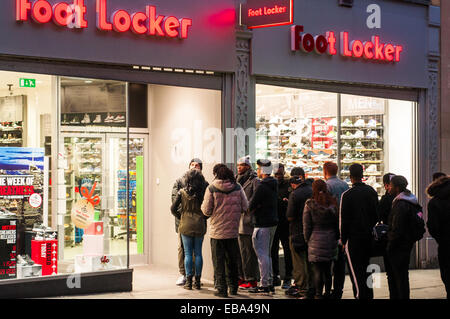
(86, 119)
(98, 119)
(372, 169)
(359, 134)
(75, 121)
(274, 120)
(359, 145)
(332, 134)
(347, 123)
(372, 123)
(109, 119)
(347, 136)
(119, 119)
(372, 134)
(360, 123)
(332, 122)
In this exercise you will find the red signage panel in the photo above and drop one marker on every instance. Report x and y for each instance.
(267, 13)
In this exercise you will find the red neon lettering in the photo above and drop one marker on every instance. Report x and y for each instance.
(121, 21)
(185, 24)
(62, 14)
(331, 43)
(138, 23)
(171, 26)
(344, 45)
(368, 50)
(357, 48)
(378, 48)
(389, 52)
(42, 11)
(321, 44)
(307, 43)
(154, 24)
(296, 37)
(102, 23)
(22, 7)
(80, 12)
(398, 49)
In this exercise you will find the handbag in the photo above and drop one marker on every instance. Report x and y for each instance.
(379, 239)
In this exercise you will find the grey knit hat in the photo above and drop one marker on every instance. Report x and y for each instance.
(245, 160)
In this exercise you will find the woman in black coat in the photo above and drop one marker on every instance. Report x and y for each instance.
(321, 231)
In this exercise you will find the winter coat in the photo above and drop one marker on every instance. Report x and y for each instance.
(296, 205)
(284, 189)
(358, 213)
(439, 211)
(321, 231)
(399, 231)
(188, 209)
(264, 204)
(177, 186)
(385, 207)
(224, 202)
(249, 182)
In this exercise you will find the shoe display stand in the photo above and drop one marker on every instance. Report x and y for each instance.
(93, 119)
(11, 134)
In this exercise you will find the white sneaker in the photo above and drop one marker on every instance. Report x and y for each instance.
(86, 119)
(359, 134)
(98, 119)
(181, 281)
(372, 123)
(372, 169)
(372, 134)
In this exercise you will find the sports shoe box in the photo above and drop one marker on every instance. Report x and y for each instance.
(29, 271)
(45, 253)
(93, 263)
(96, 228)
(93, 245)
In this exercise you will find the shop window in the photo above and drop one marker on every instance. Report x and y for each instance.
(300, 128)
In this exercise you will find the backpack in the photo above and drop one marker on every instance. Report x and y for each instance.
(417, 229)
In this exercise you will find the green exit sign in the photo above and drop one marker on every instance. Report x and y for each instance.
(27, 83)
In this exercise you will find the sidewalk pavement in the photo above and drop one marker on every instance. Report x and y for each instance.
(151, 282)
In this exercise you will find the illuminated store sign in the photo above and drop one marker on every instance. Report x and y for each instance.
(74, 16)
(267, 13)
(374, 49)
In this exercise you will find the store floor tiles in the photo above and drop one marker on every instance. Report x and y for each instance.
(150, 282)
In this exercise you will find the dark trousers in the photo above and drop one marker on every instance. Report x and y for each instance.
(249, 261)
(390, 277)
(321, 277)
(339, 273)
(358, 253)
(444, 265)
(225, 258)
(282, 235)
(398, 261)
(301, 271)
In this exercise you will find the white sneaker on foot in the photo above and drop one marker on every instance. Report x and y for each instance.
(181, 281)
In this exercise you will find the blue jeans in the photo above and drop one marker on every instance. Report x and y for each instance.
(193, 246)
(262, 242)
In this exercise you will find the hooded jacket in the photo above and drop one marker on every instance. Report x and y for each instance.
(264, 204)
(249, 182)
(187, 209)
(439, 210)
(321, 231)
(296, 205)
(403, 208)
(224, 202)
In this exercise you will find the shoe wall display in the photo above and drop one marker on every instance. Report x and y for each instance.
(11, 134)
(94, 119)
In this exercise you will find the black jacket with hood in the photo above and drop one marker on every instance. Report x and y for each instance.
(294, 213)
(439, 211)
(264, 204)
(404, 206)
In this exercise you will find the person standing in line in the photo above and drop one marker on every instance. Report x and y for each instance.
(224, 203)
(264, 208)
(401, 235)
(384, 212)
(282, 233)
(321, 231)
(438, 175)
(249, 181)
(336, 187)
(302, 191)
(192, 225)
(197, 164)
(439, 224)
(358, 216)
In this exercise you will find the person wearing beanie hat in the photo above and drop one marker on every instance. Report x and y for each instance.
(248, 270)
(264, 208)
(195, 163)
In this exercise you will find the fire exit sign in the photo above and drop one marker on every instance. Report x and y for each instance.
(27, 83)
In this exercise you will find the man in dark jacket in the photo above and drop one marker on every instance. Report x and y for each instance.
(195, 163)
(264, 208)
(249, 181)
(400, 241)
(385, 206)
(439, 224)
(282, 233)
(302, 191)
(358, 216)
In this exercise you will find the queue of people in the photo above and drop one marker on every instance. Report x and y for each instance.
(322, 226)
